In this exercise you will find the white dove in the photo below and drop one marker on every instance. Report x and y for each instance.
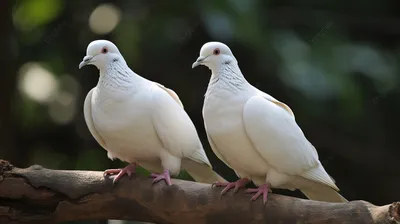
(140, 121)
(256, 135)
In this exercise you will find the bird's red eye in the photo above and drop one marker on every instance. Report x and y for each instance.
(104, 50)
(216, 51)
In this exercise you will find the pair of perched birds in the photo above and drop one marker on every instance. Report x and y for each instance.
(144, 123)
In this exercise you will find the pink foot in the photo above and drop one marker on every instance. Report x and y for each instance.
(236, 185)
(263, 189)
(129, 170)
(163, 176)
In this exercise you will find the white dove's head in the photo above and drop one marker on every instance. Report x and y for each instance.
(99, 53)
(214, 55)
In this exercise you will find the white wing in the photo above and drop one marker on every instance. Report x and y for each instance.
(275, 134)
(174, 127)
(87, 111)
(171, 93)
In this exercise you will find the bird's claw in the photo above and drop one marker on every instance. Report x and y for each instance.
(111, 172)
(128, 170)
(229, 185)
(163, 176)
(263, 189)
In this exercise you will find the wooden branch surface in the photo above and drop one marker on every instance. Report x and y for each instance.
(39, 195)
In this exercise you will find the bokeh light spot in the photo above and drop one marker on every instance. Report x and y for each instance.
(37, 83)
(104, 18)
(63, 108)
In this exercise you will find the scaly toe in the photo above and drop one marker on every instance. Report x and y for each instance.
(111, 172)
(251, 190)
(227, 188)
(220, 184)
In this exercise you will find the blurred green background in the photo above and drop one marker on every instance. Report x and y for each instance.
(335, 63)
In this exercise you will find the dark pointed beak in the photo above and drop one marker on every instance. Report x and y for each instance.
(86, 60)
(198, 62)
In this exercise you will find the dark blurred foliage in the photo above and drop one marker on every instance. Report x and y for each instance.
(335, 63)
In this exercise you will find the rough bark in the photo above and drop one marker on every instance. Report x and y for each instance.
(39, 195)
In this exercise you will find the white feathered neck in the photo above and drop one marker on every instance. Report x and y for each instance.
(227, 77)
(116, 76)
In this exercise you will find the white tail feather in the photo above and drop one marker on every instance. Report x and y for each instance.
(328, 195)
(319, 192)
(201, 172)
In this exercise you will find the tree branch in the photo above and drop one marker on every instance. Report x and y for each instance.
(39, 195)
